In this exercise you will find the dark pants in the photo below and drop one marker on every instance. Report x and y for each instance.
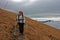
(21, 27)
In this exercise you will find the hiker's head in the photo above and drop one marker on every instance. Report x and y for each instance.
(20, 12)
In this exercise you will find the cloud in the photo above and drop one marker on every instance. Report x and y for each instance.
(37, 8)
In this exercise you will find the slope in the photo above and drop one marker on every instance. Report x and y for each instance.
(33, 30)
(38, 31)
(7, 25)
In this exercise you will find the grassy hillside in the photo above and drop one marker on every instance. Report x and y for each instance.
(33, 30)
(38, 31)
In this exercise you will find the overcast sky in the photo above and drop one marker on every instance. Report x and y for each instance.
(33, 8)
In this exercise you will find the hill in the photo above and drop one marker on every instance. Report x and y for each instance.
(33, 30)
(39, 31)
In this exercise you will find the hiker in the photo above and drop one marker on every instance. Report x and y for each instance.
(21, 21)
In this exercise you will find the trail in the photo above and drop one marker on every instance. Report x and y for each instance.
(15, 31)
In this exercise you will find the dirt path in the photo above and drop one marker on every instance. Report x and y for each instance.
(15, 33)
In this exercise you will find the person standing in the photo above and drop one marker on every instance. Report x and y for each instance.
(21, 21)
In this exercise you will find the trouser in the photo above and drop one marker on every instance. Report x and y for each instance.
(21, 27)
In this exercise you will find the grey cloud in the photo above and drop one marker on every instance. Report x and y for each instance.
(40, 7)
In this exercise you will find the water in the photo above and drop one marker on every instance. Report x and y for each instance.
(52, 21)
(55, 24)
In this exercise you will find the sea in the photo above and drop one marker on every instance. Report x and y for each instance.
(55, 24)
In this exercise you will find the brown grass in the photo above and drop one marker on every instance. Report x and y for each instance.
(33, 30)
(38, 31)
